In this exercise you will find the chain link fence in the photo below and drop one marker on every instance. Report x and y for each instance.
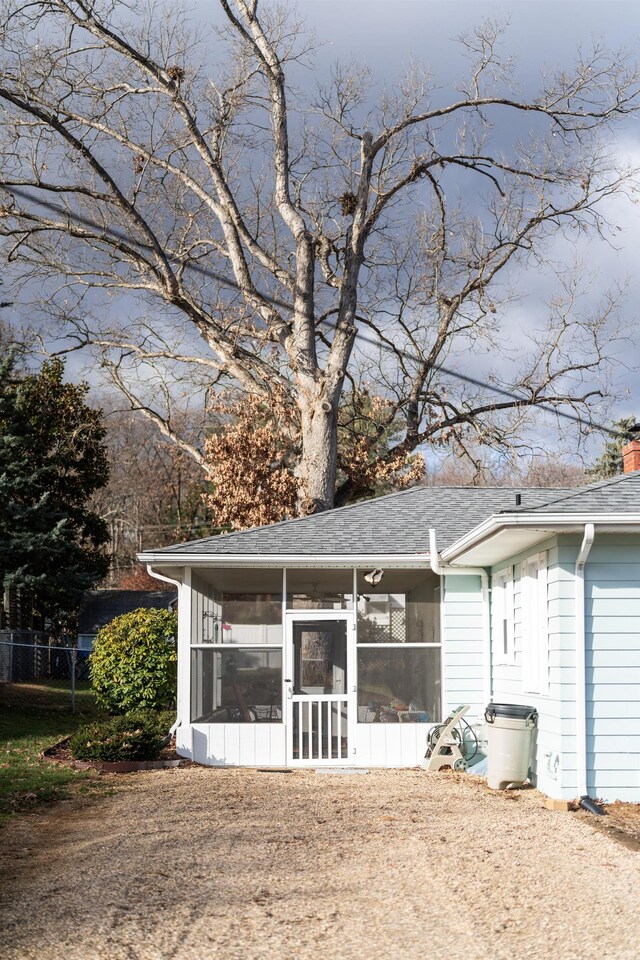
(27, 656)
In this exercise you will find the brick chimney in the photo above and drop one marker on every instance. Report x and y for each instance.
(631, 456)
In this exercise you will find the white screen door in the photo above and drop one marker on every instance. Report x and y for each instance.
(320, 689)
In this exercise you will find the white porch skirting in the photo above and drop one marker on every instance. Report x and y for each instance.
(264, 744)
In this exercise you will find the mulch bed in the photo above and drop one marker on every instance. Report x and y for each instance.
(60, 753)
(622, 823)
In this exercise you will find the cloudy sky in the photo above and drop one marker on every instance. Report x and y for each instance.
(542, 35)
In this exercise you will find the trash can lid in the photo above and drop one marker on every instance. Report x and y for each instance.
(516, 711)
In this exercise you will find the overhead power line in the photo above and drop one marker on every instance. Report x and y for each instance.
(227, 281)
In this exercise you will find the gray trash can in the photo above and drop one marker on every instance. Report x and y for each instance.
(509, 731)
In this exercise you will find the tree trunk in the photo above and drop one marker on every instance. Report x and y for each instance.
(318, 462)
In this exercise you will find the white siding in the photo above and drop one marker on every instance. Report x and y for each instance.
(239, 744)
(391, 744)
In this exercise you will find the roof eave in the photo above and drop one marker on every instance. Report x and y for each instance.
(284, 560)
(545, 522)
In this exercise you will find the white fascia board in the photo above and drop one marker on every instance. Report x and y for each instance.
(285, 560)
(549, 522)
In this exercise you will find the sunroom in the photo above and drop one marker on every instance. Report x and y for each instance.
(330, 640)
(308, 666)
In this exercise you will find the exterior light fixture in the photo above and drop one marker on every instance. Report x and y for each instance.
(374, 577)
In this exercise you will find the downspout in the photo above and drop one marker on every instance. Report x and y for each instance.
(581, 673)
(444, 569)
(159, 576)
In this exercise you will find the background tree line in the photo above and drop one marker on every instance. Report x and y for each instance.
(84, 488)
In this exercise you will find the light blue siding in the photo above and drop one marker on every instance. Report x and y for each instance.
(627, 657)
(613, 641)
(463, 644)
(612, 652)
(455, 658)
(621, 624)
(612, 606)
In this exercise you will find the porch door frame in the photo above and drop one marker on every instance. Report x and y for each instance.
(348, 617)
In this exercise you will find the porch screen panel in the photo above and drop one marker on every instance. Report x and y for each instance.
(236, 685)
(402, 607)
(399, 652)
(317, 589)
(235, 606)
(236, 645)
(397, 685)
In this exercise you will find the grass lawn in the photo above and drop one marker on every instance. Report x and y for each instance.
(32, 717)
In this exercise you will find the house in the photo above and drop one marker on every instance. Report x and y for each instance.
(100, 607)
(338, 639)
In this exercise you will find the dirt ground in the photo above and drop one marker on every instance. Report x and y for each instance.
(196, 863)
(622, 823)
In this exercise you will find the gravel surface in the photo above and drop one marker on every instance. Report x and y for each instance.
(200, 863)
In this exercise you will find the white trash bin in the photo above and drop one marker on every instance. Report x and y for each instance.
(509, 731)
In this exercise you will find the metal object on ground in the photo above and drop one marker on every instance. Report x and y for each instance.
(445, 743)
(588, 804)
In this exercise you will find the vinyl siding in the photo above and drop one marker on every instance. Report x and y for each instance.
(549, 744)
(612, 640)
(612, 613)
(463, 644)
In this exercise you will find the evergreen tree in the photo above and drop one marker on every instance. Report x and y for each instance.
(52, 459)
(609, 463)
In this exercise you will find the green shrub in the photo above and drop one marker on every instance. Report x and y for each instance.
(160, 720)
(133, 662)
(138, 735)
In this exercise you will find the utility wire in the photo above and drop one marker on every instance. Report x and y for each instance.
(361, 337)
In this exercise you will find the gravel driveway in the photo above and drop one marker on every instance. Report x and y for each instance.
(240, 865)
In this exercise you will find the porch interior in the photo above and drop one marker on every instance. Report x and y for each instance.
(239, 651)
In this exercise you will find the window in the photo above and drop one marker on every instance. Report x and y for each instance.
(502, 617)
(535, 625)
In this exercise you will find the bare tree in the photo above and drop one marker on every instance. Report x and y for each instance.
(154, 493)
(539, 470)
(247, 233)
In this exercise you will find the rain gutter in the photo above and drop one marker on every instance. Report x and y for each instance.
(581, 671)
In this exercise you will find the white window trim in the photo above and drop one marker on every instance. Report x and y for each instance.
(535, 625)
(502, 618)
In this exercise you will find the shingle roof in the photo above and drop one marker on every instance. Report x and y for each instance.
(617, 495)
(395, 524)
